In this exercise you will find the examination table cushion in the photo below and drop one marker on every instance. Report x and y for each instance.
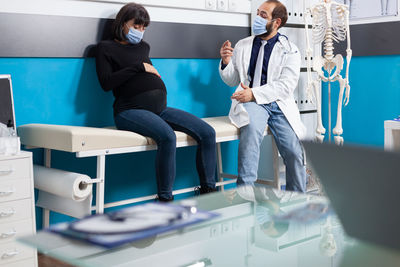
(77, 138)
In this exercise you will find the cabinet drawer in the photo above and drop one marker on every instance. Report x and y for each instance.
(12, 211)
(13, 251)
(11, 231)
(15, 168)
(15, 189)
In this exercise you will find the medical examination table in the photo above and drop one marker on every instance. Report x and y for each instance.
(100, 142)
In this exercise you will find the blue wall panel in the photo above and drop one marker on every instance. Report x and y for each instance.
(66, 91)
(374, 98)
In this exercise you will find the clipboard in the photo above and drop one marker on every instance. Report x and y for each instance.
(101, 236)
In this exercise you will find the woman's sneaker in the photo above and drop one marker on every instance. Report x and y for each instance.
(162, 199)
(206, 190)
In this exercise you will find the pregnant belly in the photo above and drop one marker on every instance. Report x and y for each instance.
(143, 82)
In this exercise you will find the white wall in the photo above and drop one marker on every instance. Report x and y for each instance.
(367, 11)
(214, 12)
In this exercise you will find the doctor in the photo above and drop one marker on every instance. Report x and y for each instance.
(266, 69)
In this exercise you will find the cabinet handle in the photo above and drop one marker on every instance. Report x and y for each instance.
(7, 213)
(9, 254)
(5, 170)
(7, 192)
(9, 234)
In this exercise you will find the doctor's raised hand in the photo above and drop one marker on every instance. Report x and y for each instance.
(226, 52)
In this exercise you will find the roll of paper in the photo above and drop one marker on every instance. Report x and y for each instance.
(68, 185)
(64, 205)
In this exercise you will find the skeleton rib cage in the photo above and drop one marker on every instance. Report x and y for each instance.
(320, 25)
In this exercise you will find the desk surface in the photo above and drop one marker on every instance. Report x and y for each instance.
(244, 235)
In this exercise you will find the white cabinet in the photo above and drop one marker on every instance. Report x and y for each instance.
(392, 135)
(17, 209)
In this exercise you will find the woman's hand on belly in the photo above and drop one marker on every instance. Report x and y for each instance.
(150, 69)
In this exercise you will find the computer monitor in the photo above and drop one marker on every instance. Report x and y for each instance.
(363, 186)
(7, 115)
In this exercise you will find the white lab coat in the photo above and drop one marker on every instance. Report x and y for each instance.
(282, 78)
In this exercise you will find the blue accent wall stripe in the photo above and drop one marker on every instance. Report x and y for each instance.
(66, 91)
(374, 98)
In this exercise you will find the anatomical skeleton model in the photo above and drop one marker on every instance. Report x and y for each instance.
(330, 22)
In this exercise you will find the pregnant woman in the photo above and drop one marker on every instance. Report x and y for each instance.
(123, 66)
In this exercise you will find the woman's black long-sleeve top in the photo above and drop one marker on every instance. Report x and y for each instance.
(120, 69)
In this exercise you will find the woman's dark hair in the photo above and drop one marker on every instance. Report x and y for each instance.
(129, 11)
(279, 12)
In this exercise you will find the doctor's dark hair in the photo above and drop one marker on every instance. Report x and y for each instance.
(280, 12)
(129, 11)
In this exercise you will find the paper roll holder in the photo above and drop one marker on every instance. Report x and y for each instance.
(93, 181)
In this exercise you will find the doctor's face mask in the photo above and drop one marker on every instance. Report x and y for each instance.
(261, 27)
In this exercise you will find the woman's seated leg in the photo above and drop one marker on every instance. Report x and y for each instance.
(204, 134)
(151, 125)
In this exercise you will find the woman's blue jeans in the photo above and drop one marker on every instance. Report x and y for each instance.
(161, 129)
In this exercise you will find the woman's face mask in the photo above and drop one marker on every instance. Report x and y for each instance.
(260, 26)
(134, 36)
